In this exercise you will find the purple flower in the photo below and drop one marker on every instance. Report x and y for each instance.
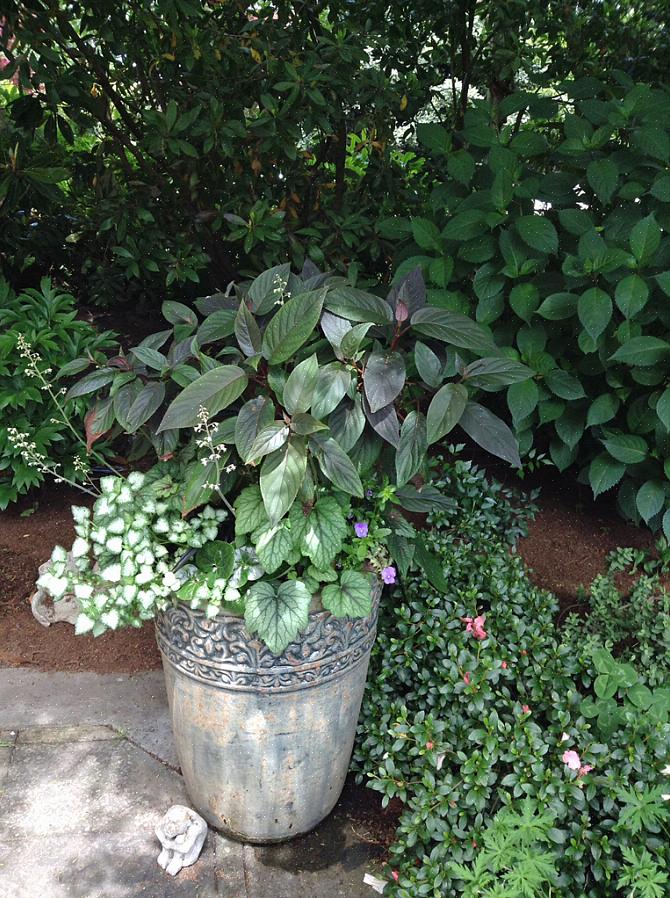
(361, 529)
(388, 575)
(369, 493)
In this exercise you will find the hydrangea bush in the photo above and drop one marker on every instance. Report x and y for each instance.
(474, 704)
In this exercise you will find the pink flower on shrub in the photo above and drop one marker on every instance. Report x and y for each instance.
(429, 745)
(572, 760)
(475, 625)
(388, 575)
(584, 769)
(525, 709)
(395, 875)
(466, 677)
(504, 665)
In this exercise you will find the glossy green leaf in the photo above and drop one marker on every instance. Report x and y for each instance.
(282, 474)
(336, 465)
(300, 386)
(292, 326)
(642, 351)
(490, 432)
(411, 451)
(214, 391)
(254, 416)
(538, 232)
(604, 473)
(383, 378)
(145, 405)
(650, 499)
(445, 410)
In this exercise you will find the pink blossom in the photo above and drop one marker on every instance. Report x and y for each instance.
(475, 625)
(584, 769)
(429, 745)
(572, 760)
(525, 709)
(466, 677)
(504, 665)
(395, 875)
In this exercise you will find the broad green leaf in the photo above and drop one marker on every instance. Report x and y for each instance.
(150, 357)
(336, 465)
(428, 364)
(663, 408)
(594, 309)
(650, 499)
(300, 386)
(434, 136)
(431, 566)
(247, 331)
(661, 188)
(426, 498)
(351, 341)
(214, 391)
(627, 448)
(493, 373)
(524, 300)
(465, 226)
(603, 176)
(292, 326)
(602, 409)
(216, 326)
(631, 295)
(277, 616)
(490, 432)
(452, 328)
(270, 438)
(425, 233)
(91, 383)
(383, 378)
(145, 405)
(123, 401)
(645, 239)
(282, 474)
(199, 483)
(461, 167)
(411, 451)
(249, 511)
(522, 399)
(558, 306)
(604, 473)
(216, 557)
(642, 351)
(324, 532)
(304, 424)
(538, 232)
(268, 288)
(254, 416)
(445, 410)
(575, 221)
(273, 545)
(178, 313)
(351, 597)
(347, 423)
(384, 422)
(563, 384)
(357, 305)
(331, 385)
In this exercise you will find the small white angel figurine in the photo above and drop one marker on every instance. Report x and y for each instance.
(182, 834)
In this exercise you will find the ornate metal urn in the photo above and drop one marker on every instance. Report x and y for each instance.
(264, 742)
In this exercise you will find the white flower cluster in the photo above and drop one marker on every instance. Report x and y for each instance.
(125, 552)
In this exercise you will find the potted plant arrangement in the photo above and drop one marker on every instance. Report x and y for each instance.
(291, 420)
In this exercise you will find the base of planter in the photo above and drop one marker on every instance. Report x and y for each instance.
(264, 742)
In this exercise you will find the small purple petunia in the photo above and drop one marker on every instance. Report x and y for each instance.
(361, 529)
(388, 575)
(369, 494)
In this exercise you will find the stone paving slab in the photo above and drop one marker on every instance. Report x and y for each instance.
(135, 704)
(79, 802)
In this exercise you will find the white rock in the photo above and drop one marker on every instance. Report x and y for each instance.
(182, 834)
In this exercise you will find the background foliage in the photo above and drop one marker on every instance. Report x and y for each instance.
(550, 223)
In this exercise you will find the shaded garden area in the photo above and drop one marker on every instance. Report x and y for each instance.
(318, 300)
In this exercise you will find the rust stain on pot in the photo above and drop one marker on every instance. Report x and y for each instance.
(264, 742)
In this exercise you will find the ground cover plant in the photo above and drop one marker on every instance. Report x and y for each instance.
(482, 721)
(550, 224)
(41, 336)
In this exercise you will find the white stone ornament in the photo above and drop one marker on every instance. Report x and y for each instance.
(182, 834)
(47, 610)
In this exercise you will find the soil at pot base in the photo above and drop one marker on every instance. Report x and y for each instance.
(264, 742)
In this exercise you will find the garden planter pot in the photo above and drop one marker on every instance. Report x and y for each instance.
(264, 742)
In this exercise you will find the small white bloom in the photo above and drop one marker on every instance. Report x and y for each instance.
(565, 738)
(666, 770)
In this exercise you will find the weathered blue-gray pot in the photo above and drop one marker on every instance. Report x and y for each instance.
(264, 742)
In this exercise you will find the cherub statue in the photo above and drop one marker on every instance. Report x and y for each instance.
(182, 833)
